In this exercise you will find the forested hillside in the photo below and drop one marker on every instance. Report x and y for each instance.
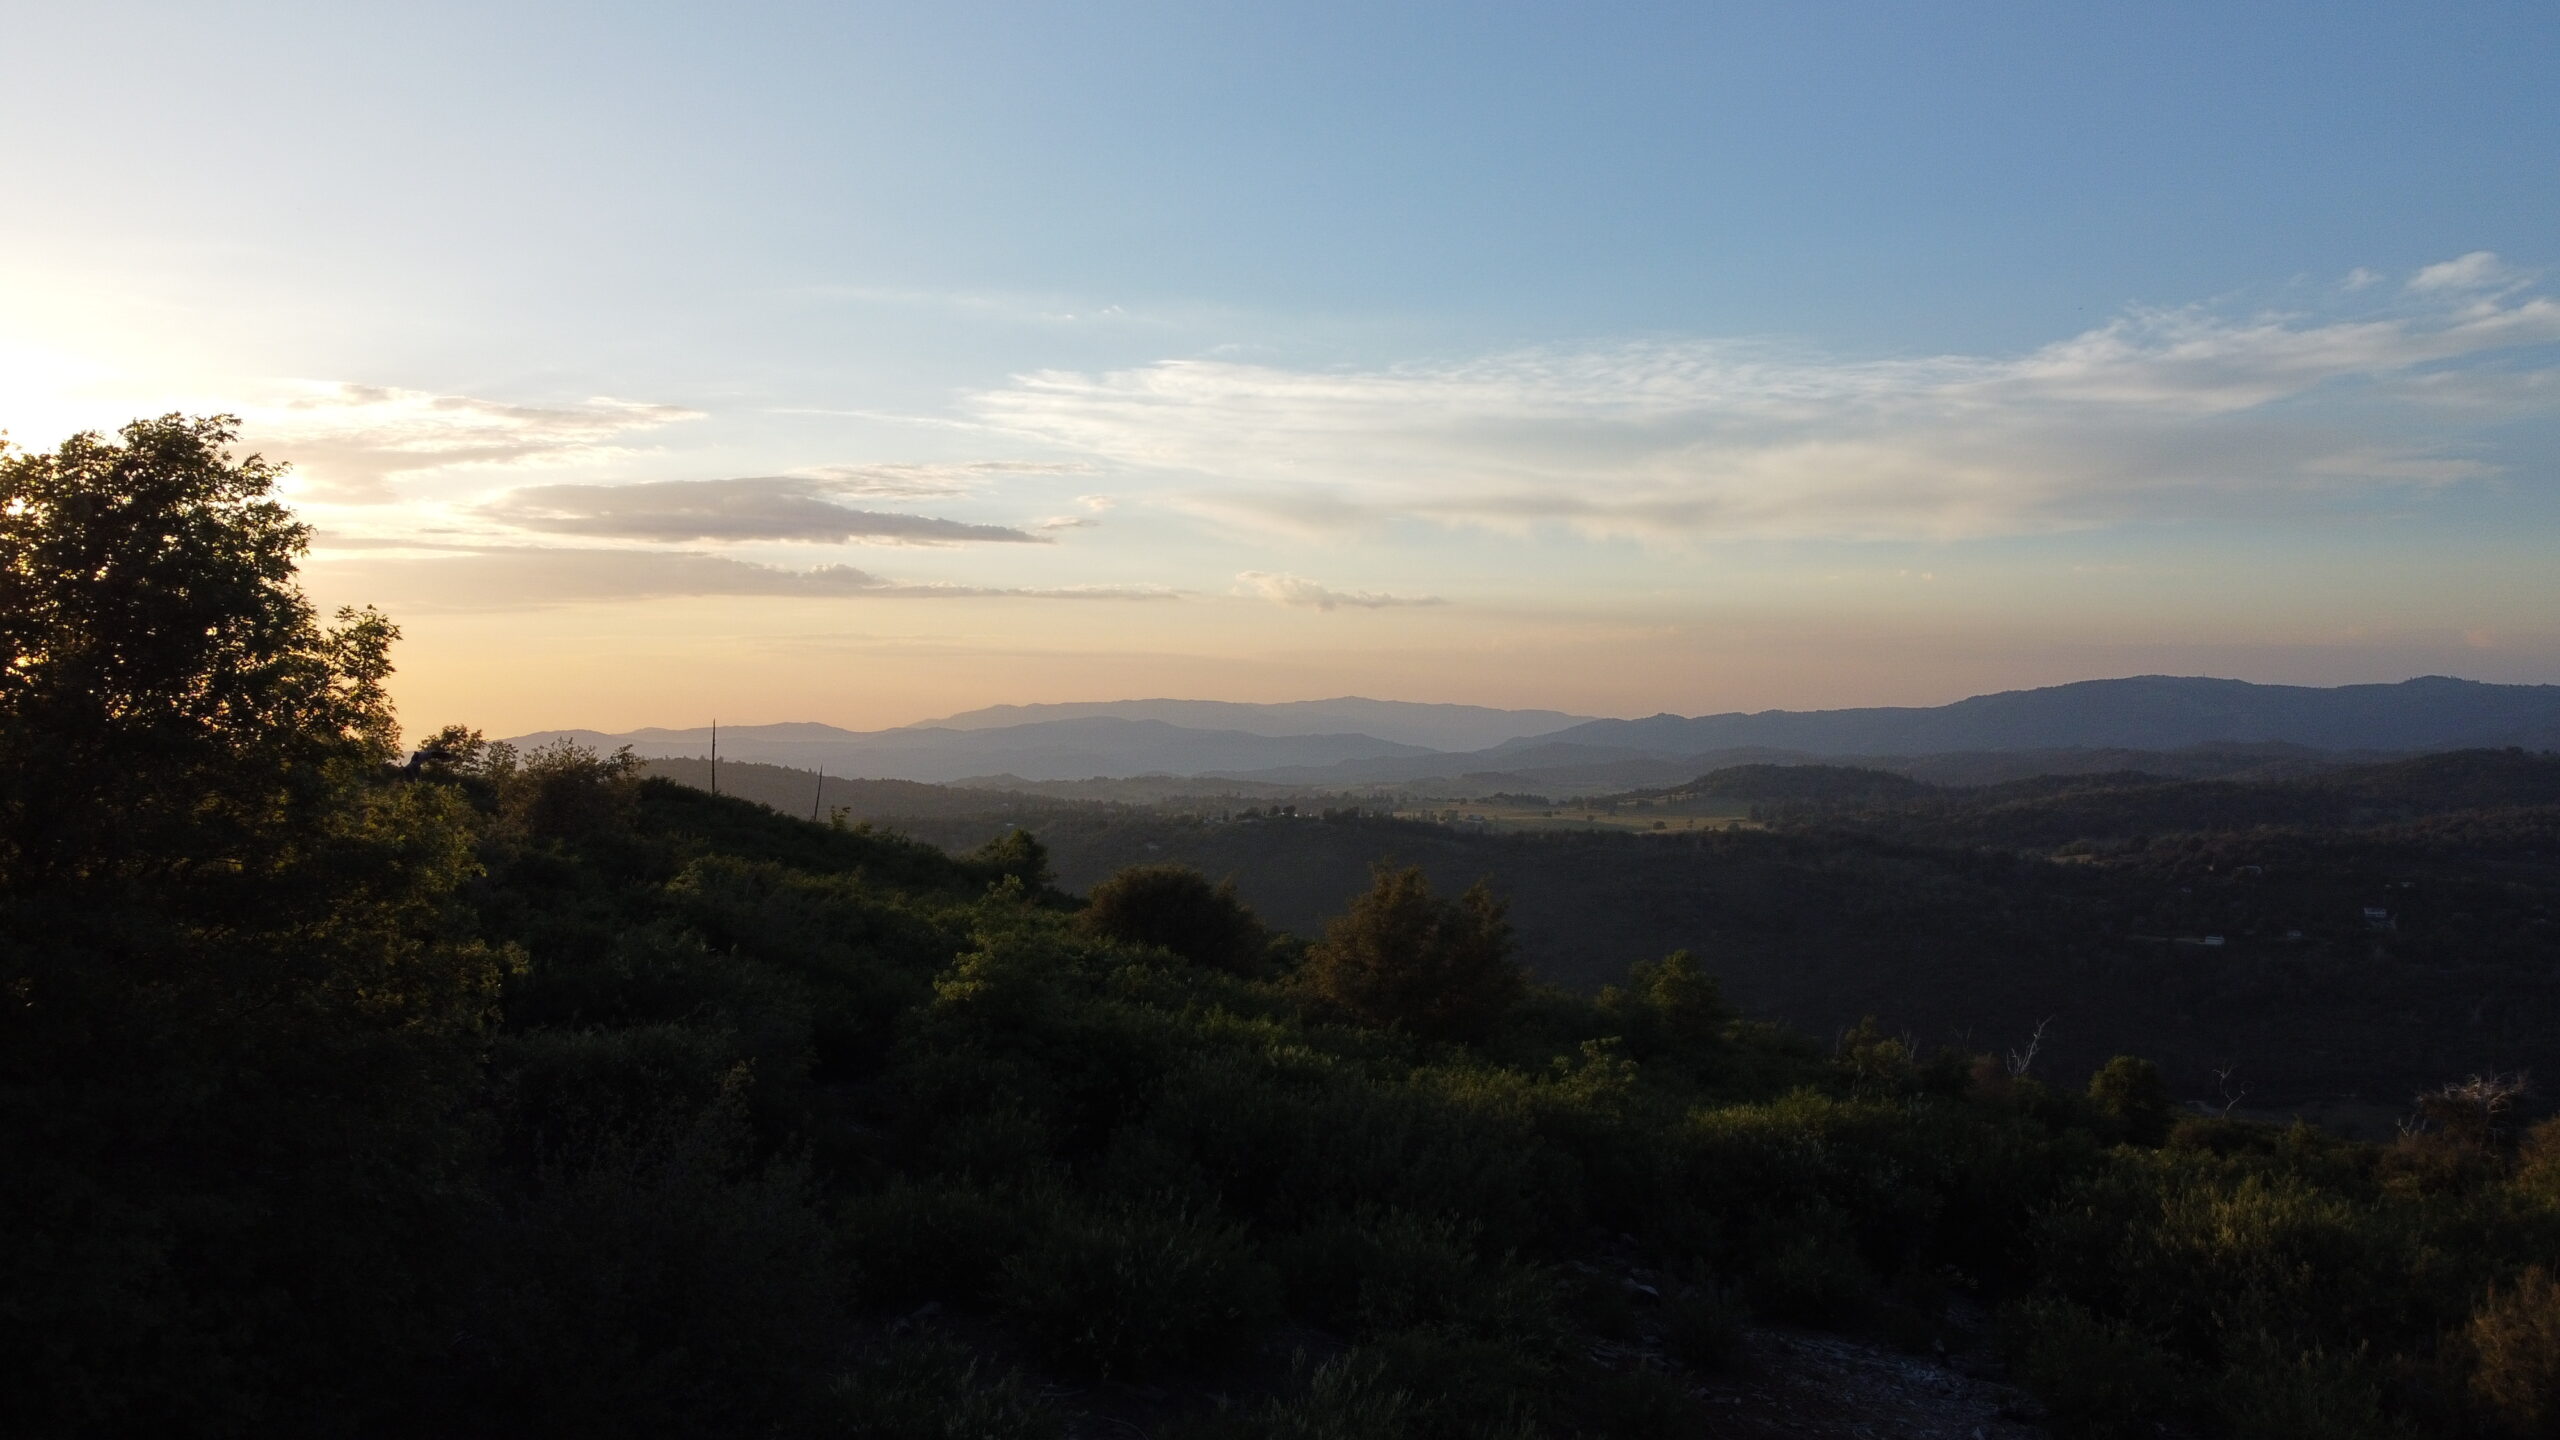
(1824, 916)
(353, 1088)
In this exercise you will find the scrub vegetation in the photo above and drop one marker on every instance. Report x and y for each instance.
(466, 1091)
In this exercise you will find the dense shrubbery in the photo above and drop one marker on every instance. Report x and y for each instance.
(1176, 908)
(506, 1093)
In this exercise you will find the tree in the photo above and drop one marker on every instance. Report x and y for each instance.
(1016, 856)
(2132, 1101)
(1668, 1007)
(1405, 958)
(235, 1027)
(1175, 908)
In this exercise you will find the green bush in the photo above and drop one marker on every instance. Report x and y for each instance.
(667, 1284)
(930, 1388)
(2514, 1339)
(1810, 1282)
(1176, 908)
(1126, 1290)
(948, 1240)
(2098, 1381)
(1348, 1398)
(2132, 1101)
(2310, 1394)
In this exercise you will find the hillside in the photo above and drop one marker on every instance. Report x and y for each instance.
(1960, 914)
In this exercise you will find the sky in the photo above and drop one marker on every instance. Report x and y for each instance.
(865, 363)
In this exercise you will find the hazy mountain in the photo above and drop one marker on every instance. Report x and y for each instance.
(2146, 712)
(2096, 722)
(1440, 727)
(2149, 714)
(1047, 750)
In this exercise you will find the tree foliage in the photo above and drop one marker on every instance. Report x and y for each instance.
(1176, 908)
(1406, 958)
(238, 1014)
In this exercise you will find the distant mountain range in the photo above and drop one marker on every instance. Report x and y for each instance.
(1098, 745)
(1352, 742)
(1436, 727)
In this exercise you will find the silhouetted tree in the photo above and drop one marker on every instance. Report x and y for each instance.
(1670, 1006)
(1405, 958)
(1014, 855)
(1177, 908)
(234, 1032)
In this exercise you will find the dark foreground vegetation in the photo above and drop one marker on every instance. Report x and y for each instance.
(481, 1093)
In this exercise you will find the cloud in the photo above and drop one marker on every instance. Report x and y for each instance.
(2479, 270)
(2361, 278)
(348, 442)
(2157, 414)
(532, 576)
(930, 481)
(1301, 593)
(768, 507)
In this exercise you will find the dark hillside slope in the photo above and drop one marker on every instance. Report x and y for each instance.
(1959, 946)
(2051, 811)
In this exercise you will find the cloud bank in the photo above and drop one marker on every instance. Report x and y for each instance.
(462, 577)
(1301, 593)
(2158, 414)
(348, 442)
(771, 507)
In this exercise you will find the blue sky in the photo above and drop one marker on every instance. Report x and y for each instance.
(858, 362)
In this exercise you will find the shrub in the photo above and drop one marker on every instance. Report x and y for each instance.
(914, 1241)
(2308, 1395)
(1669, 1008)
(2538, 1163)
(1015, 856)
(1872, 1062)
(1405, 958)
(1348, 1398)
(1124, 1290)
(1810, 1282)
(929, 1388)
(2132, 1101)
(1703, 1329)
(1375, 1271)
(1174, 907)
(1463, 1387)
(2099, 1381)
(2515, 1345)
(665, 1285)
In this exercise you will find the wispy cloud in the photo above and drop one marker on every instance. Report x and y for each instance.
(530, 576)
(931, 480)
(2158, 413)
(2479, 270)
(1301, 593)
(767, 507)
(348, 442)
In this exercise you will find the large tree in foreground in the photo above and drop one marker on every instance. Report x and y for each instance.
(232, 1033)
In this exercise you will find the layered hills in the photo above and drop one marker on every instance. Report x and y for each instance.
(1352, 742)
